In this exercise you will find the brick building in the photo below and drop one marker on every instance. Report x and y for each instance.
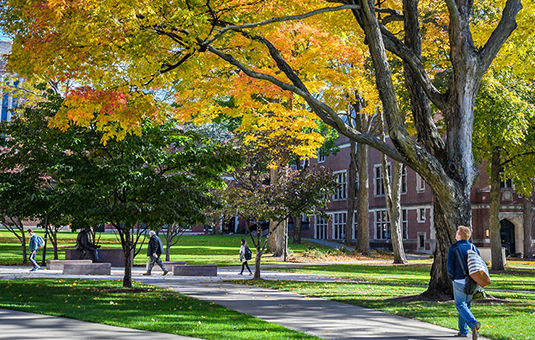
(417, 209)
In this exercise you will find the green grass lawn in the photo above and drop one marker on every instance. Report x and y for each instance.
(510, 315)
(194, 249)
(161, 310)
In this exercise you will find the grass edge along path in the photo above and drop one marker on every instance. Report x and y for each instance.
(144, 307)
(510, 316)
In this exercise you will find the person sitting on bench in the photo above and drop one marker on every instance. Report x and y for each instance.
(83, 243)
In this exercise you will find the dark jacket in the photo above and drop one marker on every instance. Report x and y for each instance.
(155, 246)
(83, 241)
(455, 271)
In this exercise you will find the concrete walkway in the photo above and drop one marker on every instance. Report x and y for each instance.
(322, 318)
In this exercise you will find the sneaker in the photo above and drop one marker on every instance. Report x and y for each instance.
(34, 268)
(165, 272)
(475, 331)
(250, 273)
(147, 274)
(461, 335)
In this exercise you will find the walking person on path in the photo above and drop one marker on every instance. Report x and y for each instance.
(154, 251)
(245, 255)
(35, 242)
(456, 253)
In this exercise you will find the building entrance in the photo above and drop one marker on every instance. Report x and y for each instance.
(507, 235)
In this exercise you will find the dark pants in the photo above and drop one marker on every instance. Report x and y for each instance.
(157, 260)
(243, 265)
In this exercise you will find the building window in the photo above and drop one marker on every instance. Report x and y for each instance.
(321, 156)
(320, 230)
(339, 225)
(379, 188)
(420, 183)
(421, 215)
(382, 225)
(404, 179)
(341, 191)
(404, 224)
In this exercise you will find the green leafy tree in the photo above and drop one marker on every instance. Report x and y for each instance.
(27, 161)
(503, 137)
(305, 192)
(160, 176)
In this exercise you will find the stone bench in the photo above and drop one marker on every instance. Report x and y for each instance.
(106, 255)
(168, 264)
(87, 269)
(59, 264)
(195, 270)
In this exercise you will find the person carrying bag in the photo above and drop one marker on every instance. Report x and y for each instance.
(464, 287)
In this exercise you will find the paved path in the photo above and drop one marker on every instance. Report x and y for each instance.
(26, 326)
(322, 318)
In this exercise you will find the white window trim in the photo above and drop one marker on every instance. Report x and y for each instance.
(341, 225)
(404, 179)
(323, 225)
(420, 183)
(321, 158)
(420, 234)
(376, 222)
(420, 219)
(375, 178)
(343, 190)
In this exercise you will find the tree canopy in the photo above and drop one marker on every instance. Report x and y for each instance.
(284, 63)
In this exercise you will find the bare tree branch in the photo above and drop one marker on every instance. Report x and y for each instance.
(277, 19)
(326, 113)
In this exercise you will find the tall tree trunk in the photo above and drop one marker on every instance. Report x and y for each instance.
(494, 218)
(272, 242)
(280, 237)
(259, 248)
(528, 217)
(363, 232)
(167, 252)
(440, 285)
(351, 183)
(392, 198)
(395, 217)
(297, 229)
(128, 248)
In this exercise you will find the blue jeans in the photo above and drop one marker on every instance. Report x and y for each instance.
(32, 259)
(462, 302)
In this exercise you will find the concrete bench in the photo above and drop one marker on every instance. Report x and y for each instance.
(168, 264)
(87, 269)
(107, 255)
(58, 264)
(195, 270)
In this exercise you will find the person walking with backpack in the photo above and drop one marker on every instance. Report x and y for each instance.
(36, 242)
(457, 272)
(245, 255)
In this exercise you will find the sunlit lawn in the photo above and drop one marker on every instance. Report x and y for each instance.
(162, 310)
(511, 315)
(194, 249)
